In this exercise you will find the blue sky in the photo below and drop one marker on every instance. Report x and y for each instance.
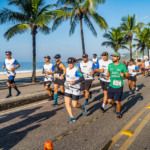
(60, 41)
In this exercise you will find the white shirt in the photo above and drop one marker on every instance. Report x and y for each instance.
(10, 64)
(104, 65)
(130, 68)
(48, 68)
(95, 60)
(147, 63)
(86, 68)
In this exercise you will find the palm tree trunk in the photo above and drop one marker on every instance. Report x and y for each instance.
(130, 49)
(148, 52)
(82, 36)
(34, 57)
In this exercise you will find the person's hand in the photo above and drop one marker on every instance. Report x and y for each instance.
(43, 71)
(91, 73)
(47, 72)
(122, 74)
(3, 67)
(107, 78)
(102, 70)
(12, 69)
(133, 70)
(71, 82)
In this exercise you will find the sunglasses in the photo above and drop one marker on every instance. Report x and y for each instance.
(7, 54)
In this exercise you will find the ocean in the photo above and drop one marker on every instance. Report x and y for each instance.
(26, 67)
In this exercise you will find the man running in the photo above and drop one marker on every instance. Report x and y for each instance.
(116, 72)
(11, 65)
(72, 89)
(87, 68)
(104, 81)
(147, 66)
(143, 68)
(48, 70)
(95, 61)
(132, 69)
(59, 78)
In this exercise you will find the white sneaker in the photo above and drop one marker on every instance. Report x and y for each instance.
(130, 93)
(136, 88)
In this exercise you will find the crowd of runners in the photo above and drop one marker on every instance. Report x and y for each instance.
(74, 81)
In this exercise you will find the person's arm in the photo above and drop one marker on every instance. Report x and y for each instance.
(136, 69)
(79, 67)
(124, 72)
(43, 70)
(93, 67)
(53, 70)
(4, 65)
(16, 64)
(62, 66)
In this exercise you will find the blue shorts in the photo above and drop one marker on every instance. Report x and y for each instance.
(115, 93)
(11, 79)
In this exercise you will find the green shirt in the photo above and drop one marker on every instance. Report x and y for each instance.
(116, 80)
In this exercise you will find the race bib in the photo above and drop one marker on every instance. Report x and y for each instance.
(56, 75)
(116, 83)
(85, 75)
(130, 71)
(67, 85)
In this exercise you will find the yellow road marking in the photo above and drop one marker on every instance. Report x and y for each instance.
(126, 132)
(126, 127)
(130, 140)
(60, 138)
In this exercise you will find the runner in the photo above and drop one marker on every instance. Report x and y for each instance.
(95, 61)
(59, 78)
(48, 70)
(72, 89)
(104, 81)
(87, 68)
(143, 68)
(147, 66)
(132, 69)
(116, 72)
(11, 65)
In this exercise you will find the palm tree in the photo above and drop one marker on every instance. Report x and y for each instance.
(143, 41)
(78, 11)
(32, 15)
(115, 39)
(130, 27)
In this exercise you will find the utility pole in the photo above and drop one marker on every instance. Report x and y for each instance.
(136, 42)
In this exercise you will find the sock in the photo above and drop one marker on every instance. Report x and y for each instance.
(90, 95)
(15, 87)
(9, 90)
(55, 97)
(87, 100)
(118, 112)
(103, 105)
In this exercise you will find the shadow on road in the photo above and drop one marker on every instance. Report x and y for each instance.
(10, 135)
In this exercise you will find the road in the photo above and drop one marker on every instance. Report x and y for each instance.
(29, 127)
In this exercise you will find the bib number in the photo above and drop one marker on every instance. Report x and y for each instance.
(116, 83)
(56, 75)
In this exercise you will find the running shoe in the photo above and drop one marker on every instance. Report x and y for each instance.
(102, 109)
(54, 104)
(136, 88)
(8, 96)
(90, 96)
(83, 110)
(119, 116)
(72, 119)
(130, 93)
(18, 93)
(86, 102)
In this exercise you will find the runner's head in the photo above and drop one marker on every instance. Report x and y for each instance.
(47, 58)
(105, 55)
(131, 62)
(94, 56)
(8, 54)
(57, 57)
(115, 57)
(71, 61)
(85, 57)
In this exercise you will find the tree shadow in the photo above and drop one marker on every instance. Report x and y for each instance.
(9, 136)
(132, 100)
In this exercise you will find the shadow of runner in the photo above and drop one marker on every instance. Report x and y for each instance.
(132, 100)
(8, 141)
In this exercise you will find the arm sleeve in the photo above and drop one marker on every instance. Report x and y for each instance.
(81, 77)
(16, 62)
(93, 66)
(53, 68)
(136, 68)
(43, 68)
(4, 64)
(79, 66)
(97, 66)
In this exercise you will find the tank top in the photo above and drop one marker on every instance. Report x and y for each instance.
(58, 70)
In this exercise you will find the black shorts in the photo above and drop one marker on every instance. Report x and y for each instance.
(86, 85)
(132, 78)
(11, 79)
(59, 82)
(115, 93)
(104, 85)
(73, 97)
(47, 83)
(142, 69)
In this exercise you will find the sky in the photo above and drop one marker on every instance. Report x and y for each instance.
(60, 42)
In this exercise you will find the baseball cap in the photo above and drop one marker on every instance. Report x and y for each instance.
(105, 53)
(47, 57)
(8, 52)
(116, 54)
(84, 55)
(71, 60)
(57, 56)
(95, 55)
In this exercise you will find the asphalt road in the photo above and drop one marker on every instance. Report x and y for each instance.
(30, 126)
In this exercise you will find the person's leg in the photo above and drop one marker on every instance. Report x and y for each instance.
(130, 85)
(118, 106)
(15, 87)
(9, 88)
(68, 106)
(62, 89)
(105, 99)
(48, 90)
(75, 104)
(55, 94)
(111, 101)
